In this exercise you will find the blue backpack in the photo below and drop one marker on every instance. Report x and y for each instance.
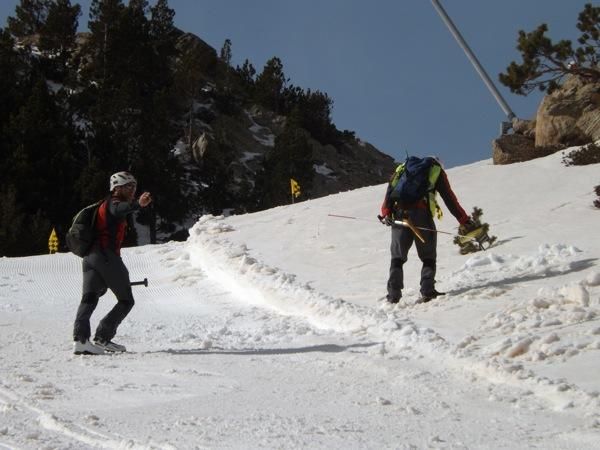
(412, 184)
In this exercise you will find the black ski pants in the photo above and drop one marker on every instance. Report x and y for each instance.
(103, 270)
(402, 241)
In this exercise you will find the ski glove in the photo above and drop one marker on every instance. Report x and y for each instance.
(388, 220)
(468, 226)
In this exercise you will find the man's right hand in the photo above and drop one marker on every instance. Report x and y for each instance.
(145, 199)
(468, 226)
(388, 220)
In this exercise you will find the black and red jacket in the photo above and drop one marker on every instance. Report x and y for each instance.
(111, 223)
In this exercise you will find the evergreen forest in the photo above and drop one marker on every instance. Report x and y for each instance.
(78, 106)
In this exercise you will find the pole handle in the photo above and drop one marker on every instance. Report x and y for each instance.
(144, 282)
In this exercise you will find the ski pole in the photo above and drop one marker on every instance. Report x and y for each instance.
(412, 227)
(348, 217)
(399, 222)
(144, 282)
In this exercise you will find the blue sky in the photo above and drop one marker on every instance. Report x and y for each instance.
(396, 75)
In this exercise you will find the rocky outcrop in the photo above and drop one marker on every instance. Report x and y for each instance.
(204, 55)
(353, 165)
(567, 117)
(200, 147)
(524, 127)
(570, 115)
(512, 148)
(251, 134)
(241, 135)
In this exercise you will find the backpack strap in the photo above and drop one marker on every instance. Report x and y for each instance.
(434, 207)
(397, 174)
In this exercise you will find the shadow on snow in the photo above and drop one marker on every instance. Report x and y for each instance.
(325, 348)
(576, 266)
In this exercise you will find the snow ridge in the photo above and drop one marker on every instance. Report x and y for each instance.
(256, 283)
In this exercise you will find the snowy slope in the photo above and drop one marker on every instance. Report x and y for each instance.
(265, 331)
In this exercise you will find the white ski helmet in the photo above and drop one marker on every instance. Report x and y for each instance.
(121, 179)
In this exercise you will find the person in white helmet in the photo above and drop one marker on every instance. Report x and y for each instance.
(104, 269)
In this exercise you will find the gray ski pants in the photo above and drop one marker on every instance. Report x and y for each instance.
(103, 270)
(402, 240)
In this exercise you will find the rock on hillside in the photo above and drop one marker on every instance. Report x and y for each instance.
(570, 115)
(251, 134)
(567, 117)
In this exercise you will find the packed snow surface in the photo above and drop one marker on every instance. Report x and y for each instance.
(269, 330)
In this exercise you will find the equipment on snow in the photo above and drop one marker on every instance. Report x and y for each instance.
(413, 228)
(475, 237)
(144, 282)
(413, 182)
(82, 232)
(475, 240)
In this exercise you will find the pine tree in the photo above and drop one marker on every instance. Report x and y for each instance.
(163, 35)
(242, 80)
(246, 74)
(12, 90)
(133, 117)
(226, 54)
(291, 157)
(12, 222)
(189, 80)
(312, 110)
(545, 63)
(13, 70)
(30, 17)
(57, 35)
(216, 175)
(103, 49)
(270, 85)
(42, 161)
(162, 28)
(135, 42)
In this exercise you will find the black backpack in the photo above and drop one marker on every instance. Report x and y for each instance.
(413, 183)
(82, 233)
